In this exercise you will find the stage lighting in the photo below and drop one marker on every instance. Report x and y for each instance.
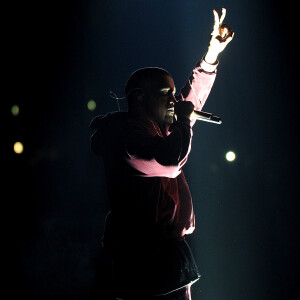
(230, 156)
(18, 147)
(15, 110)
(91, 105)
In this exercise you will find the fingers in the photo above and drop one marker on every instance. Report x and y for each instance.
(222, 16)
(218, 21)
(216, 24)
(216, 15)
(221, 35)
(228, 38)
(224, 31)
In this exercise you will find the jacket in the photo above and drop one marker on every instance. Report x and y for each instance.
(151, 205)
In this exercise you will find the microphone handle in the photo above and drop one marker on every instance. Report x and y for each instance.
(207, 117)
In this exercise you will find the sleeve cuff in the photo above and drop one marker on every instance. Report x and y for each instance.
(208, 67)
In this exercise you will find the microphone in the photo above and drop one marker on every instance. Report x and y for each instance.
(205, 116)
(201, 115)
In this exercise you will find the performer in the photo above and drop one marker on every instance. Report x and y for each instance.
(143, 153)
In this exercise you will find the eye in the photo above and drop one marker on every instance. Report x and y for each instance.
(166, 92)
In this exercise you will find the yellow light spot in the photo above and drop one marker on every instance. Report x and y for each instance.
(91, 105)
(230, 156)
(15, 110)
(18, 147)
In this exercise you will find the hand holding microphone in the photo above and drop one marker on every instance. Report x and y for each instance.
(183, 110)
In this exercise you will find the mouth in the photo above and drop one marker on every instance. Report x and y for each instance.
(170, 111)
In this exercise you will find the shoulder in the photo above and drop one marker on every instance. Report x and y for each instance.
(142, 126)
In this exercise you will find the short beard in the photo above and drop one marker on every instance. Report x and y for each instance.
(168, 120)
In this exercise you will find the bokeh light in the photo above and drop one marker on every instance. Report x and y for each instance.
(15, 110)
(91, 105)
(230, 156)
(18, 147)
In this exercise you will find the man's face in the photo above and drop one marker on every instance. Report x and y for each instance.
(161, 99)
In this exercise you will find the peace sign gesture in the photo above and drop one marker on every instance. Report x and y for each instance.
(221, 36)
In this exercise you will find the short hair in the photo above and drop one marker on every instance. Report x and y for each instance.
(139, 76)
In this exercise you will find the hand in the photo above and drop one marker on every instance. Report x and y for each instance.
(183, 110)
(221, 36)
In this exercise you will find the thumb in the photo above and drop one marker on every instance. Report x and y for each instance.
(229, 37)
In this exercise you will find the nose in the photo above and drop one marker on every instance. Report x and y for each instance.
(173, 99)
(171, 103)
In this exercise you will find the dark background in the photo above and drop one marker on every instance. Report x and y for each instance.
(58, 55)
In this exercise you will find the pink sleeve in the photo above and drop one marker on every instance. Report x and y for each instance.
(155, 156)
(152, 168)
(199, 84)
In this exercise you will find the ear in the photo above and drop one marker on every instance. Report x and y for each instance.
(136, 99)
(139, 95)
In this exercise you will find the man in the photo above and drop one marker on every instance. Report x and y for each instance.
(143, 153)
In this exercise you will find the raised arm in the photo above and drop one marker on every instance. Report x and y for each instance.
(199, 85)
